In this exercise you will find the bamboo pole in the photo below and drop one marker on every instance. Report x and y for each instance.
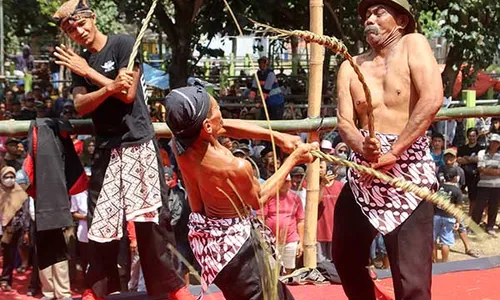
(314, 109)
(20, 128)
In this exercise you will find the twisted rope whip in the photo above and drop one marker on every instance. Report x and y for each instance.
(422, 192)
(138, 40)
(336, 46)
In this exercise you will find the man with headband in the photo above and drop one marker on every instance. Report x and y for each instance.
(127, 182)
(226, 240)
(405, 83)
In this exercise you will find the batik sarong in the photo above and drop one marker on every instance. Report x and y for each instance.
(130, 191)
(387, 207)
(216, 241)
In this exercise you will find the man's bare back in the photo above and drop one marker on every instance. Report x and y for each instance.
(216, 165)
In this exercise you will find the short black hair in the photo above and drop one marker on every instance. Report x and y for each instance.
(449, 173)
(471, 130)
(437, 135)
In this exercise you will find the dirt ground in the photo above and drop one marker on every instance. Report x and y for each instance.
(490, 246)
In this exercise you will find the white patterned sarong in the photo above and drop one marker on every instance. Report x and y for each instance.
(130, 191)
(385, 206)
(216, 241)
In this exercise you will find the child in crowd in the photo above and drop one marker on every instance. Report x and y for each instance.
(444, 224)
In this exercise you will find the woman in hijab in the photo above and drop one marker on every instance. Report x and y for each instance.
(15, 222)
(342, 151)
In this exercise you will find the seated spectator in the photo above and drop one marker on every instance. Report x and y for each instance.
(28, 112)
(444, 224)
(290, 234)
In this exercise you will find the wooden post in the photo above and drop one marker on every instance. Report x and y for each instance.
(314, 109)
(469, 97)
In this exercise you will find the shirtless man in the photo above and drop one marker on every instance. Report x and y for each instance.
(406, 88)
(221, 234)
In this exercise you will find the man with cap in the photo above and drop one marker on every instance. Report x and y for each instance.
(221, 230)
(273, 96)
(298, 175)
(405, 82)
(127, 182)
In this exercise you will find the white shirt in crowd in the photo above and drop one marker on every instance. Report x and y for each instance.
(79, 205)
(302, 193)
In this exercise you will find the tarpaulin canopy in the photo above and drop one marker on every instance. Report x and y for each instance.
(481, 86)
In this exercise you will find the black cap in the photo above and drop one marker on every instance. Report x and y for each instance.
(449, 173)
(12, 140)
(185, 110)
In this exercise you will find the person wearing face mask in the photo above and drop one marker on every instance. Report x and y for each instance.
(15, 222)
(342, 151)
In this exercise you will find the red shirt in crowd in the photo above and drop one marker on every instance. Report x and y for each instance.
(290, 213)
(326, 208)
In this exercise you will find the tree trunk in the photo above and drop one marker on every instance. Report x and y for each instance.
(294, 42)
(181, 46)
(453, 64)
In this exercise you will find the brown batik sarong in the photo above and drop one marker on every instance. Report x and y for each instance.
(130, 191)
(385, 206)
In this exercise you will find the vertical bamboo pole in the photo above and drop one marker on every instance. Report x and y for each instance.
(315, 91)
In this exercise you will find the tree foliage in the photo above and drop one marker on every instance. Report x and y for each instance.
(472, 31)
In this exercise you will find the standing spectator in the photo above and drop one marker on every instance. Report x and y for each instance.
(342, 151)
(488, 187)
(273, 96)
(59, 103)
(79, 213)
(459, 139)
(24, 62)
(12, 158)
(16, 109)
(298, 175)
(444, 224)
(450, 160)
(329, 192)
(53, 68)
(437, 147)
(88, 152)
(15, 223)
(495, 125)
(180, 211)
(467, 158)
(290, 234)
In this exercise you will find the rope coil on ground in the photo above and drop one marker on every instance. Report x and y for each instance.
(422, 192)
(336, 46)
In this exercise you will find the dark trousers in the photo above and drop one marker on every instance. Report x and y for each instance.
(409, 248)
(242, 278)
(156, 260)
(156, 263)
(84, 257)
(9, 257)
(489, 196)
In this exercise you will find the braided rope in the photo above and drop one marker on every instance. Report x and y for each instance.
(422, 192)
(336, 46)
(138, 40)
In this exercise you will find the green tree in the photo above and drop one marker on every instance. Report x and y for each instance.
(472, 31)
(108, 16)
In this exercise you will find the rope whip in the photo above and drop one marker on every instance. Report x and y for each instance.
(138, 40)
(337, 47)
(422, 192)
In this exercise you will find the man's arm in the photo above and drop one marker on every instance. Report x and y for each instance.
(426, 79)
(240, 129)
(300, 230)
(78, 65)
(88, 102)
(346, 115)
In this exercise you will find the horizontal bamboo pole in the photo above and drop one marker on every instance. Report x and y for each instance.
(20, 128)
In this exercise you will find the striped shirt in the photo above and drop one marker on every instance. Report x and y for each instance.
(487, 161)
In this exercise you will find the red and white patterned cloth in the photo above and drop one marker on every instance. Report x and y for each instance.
(216, 241)
(130, 191)
(385, 206)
